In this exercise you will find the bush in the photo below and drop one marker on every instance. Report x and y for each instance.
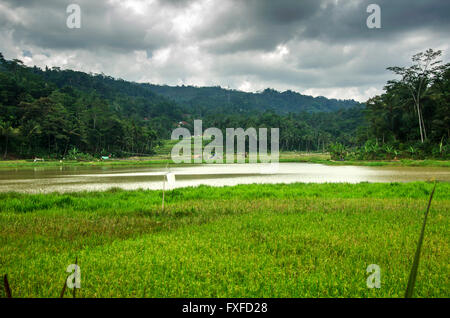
(337, 151)
(392, 151)
(75, 154)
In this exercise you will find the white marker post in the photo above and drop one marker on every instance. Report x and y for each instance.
(170, 182)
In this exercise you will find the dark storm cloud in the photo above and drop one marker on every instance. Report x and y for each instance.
(314, 46)
(257, 24)
(263, 24)
(346, 23)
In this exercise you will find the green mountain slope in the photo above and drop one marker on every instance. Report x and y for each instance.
(201, 100)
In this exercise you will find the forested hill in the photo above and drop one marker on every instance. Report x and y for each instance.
(197, 101)
(204, 100)
(56, 113)
(53, 113)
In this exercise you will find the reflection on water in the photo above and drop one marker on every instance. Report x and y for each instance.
(65, 179)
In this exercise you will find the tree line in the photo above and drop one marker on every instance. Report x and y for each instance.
(54, 113)
(412, 117)
(68, 114)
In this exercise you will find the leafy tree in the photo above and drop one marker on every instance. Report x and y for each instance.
(418, 78)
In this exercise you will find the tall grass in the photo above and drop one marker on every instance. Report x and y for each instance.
(6, 286)
(415, 266)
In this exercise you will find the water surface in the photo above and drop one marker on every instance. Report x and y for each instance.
(66, 179)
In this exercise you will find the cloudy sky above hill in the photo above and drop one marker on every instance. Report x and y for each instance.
(316, 47)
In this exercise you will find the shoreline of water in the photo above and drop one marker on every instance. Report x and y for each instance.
(45, 180)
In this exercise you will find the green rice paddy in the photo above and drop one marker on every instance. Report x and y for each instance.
(296, 240)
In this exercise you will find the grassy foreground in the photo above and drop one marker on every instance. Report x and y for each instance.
(297, 240)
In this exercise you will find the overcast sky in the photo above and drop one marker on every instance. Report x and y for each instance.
(315, 47)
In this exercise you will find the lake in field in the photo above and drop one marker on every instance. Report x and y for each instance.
(65, 179)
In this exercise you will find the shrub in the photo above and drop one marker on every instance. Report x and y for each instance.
(75, 154)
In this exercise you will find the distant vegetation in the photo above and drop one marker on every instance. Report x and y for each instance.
(63, 113)
(55, 113)
(201, 101)
(67, 114)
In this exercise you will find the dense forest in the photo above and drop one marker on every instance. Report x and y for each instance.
(65, 114)
(412, 117)
(54, 113)
(202, 101)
